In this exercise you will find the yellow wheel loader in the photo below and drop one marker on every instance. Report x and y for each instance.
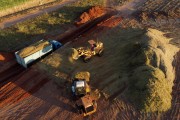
(86, 53)
(85, 99)
(86, 105)
(80, 85)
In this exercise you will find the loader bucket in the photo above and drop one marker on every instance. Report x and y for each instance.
(75, 54)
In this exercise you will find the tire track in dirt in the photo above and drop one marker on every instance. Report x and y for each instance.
(25, 94)
(10, 89)
(21, 82)
(22, 88)
(10, 72)
(118, 92)
(10, 81)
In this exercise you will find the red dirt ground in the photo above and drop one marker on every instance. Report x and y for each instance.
(111, 22)
(107, 24)
(17, 88)
(6, 56)
(93, 13)
(30, 94)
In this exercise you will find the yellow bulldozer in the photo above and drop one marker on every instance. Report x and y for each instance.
(87, 53)
(85, 99)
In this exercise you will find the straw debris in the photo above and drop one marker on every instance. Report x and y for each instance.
(33, 48)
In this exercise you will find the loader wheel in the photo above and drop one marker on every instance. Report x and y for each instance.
(86, 59)
(79, 109)
(100, 53)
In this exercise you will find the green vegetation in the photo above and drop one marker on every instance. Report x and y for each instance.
(57, 22)
(4, 4)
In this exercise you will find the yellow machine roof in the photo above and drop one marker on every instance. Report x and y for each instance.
(86, 101)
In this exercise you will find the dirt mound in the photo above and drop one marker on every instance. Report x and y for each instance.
(93, 13)
(6, 56)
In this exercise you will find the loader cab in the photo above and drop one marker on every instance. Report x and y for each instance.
(79, 87)
(86, 105)
(55, 44)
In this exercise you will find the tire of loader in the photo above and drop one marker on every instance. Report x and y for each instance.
(100, 53)
(79, 109)
(86, 59)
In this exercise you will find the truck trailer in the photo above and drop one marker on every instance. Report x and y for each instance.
(31, 53)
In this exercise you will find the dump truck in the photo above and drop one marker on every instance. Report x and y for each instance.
(35, 51)
(86, 54)
(85, 99)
